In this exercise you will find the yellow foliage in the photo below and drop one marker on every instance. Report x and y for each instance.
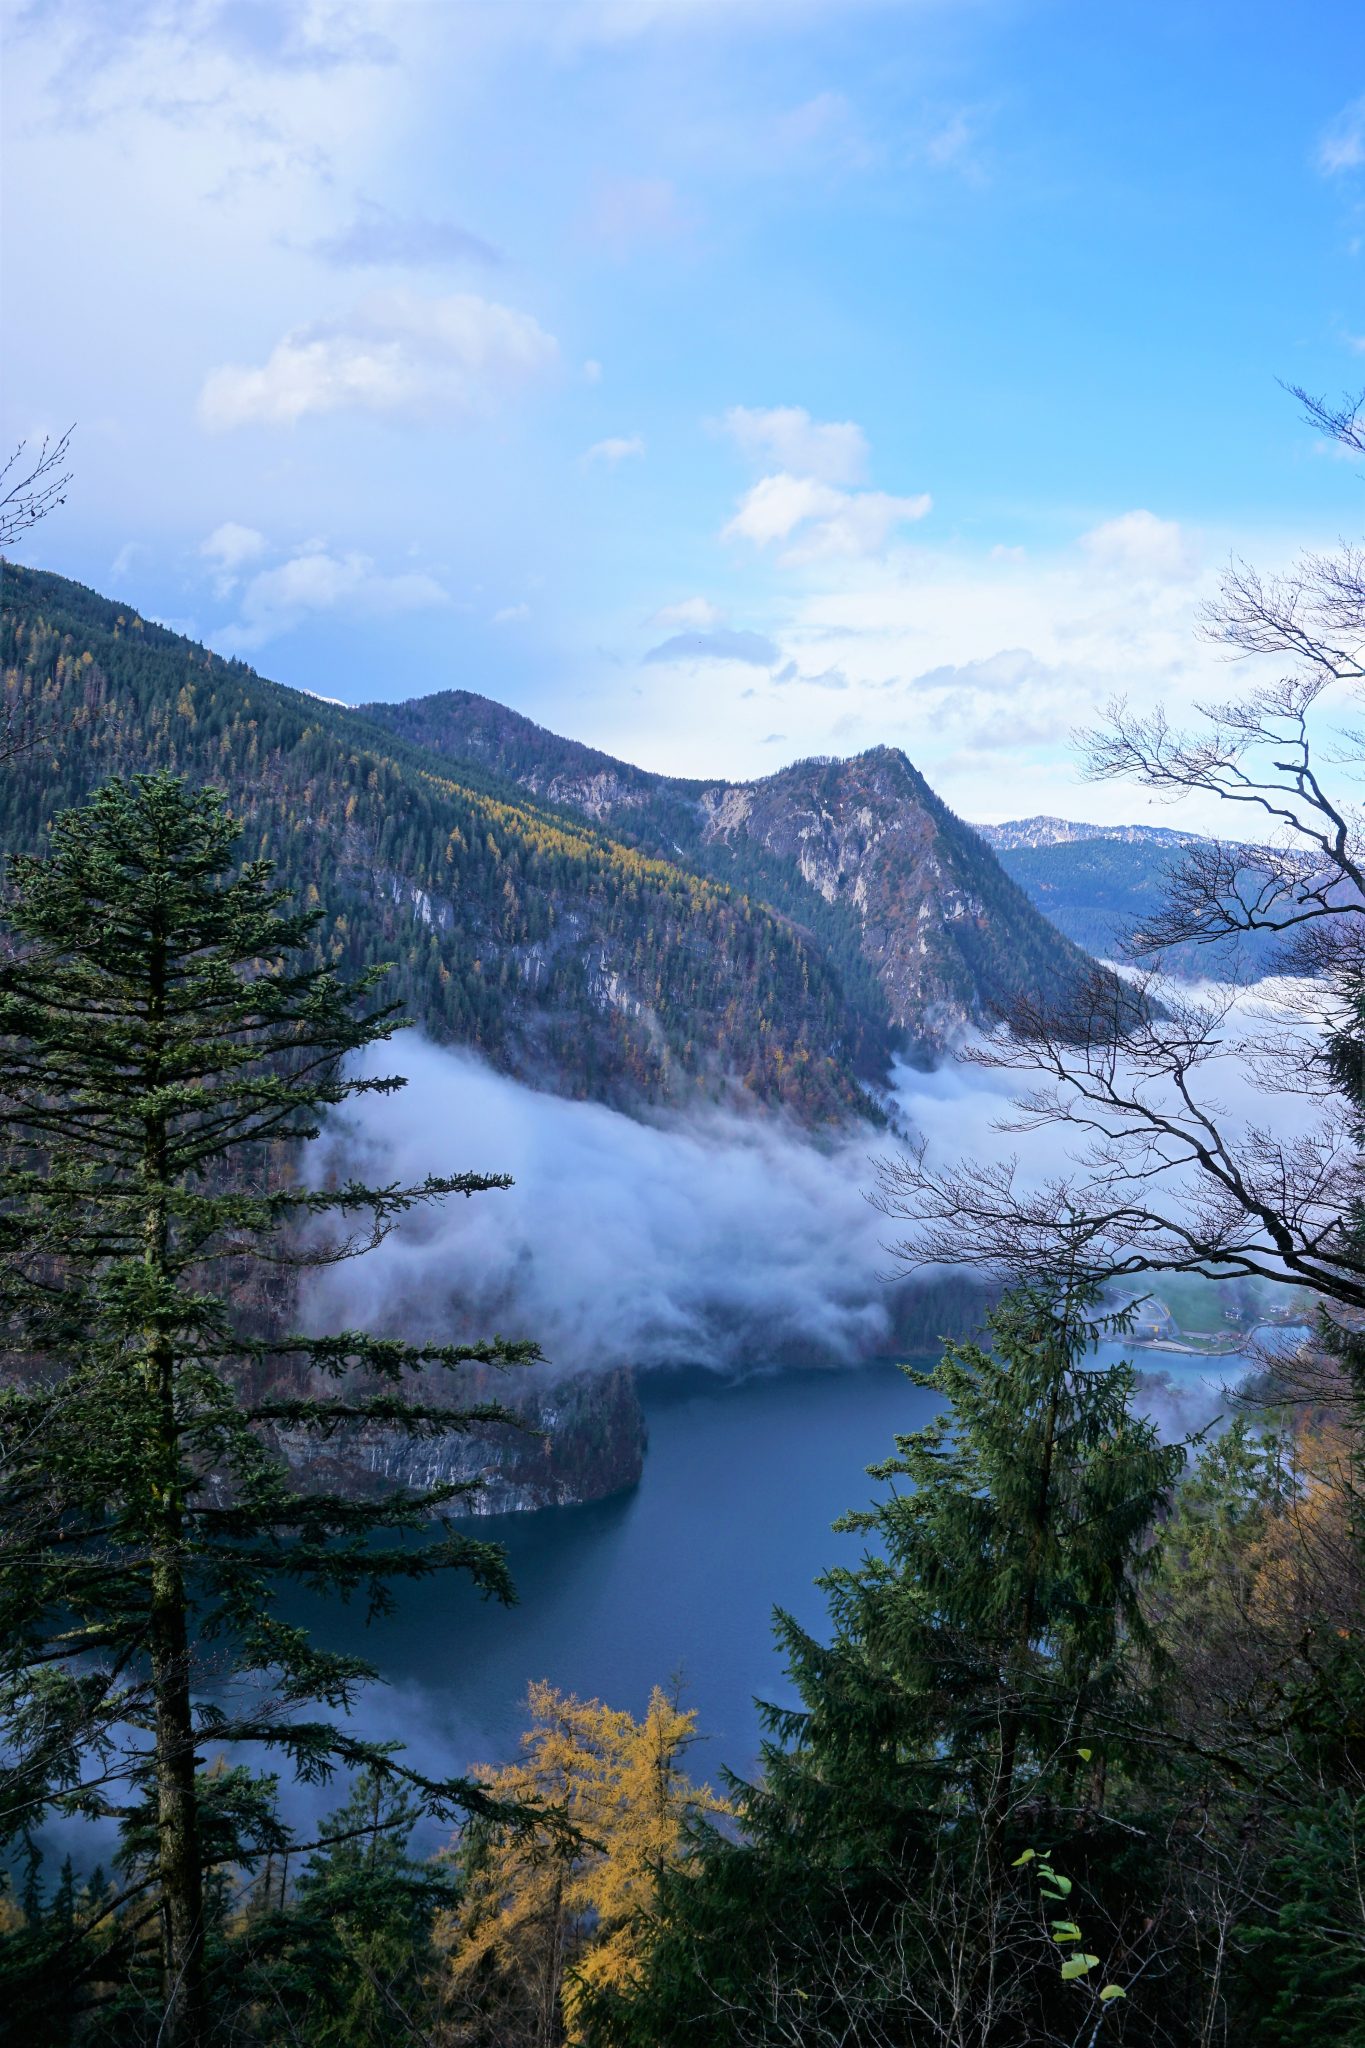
(563, 1916)
(1304, 1562)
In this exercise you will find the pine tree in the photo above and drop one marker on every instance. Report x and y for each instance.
(344, 1958)
(980, 1656)
(165, 1046)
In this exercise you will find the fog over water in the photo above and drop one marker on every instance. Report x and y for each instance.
(707, 1238)
(704, 1248)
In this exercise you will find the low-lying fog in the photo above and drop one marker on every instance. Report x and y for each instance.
(710, 1237)
(706, 1238)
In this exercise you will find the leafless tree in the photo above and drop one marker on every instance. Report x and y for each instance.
(1161, 1171)
(32, 486)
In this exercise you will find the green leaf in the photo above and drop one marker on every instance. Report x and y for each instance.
(1063, 1884)
(1065, 1930)
(1085, 1755)
(1078, 1966)
(1027, 1857)
(1112, 1991)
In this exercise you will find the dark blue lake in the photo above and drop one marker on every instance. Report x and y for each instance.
(742, 1481)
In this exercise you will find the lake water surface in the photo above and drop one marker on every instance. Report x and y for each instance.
(741, 1483)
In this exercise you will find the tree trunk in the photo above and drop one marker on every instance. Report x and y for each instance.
(177, 1813)
(180, 1865)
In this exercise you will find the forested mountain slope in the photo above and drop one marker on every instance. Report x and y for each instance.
(909, 904)
(586, 925)
(563, 955)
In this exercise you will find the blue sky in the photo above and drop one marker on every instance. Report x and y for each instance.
(715, 380)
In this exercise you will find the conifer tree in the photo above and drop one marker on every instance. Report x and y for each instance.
(548, 1921)
(980, 1656)
(166, 1041)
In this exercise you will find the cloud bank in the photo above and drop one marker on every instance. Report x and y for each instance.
(712, 1239)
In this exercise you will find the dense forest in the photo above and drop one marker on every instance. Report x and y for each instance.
(555, 950)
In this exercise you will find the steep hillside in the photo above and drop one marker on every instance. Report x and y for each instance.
(915, 912)
(566, 957)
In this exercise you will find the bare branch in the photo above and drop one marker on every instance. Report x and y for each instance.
(30, 489)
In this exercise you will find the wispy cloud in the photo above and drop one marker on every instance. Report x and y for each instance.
(230, 547)
(1140, 544)
(834, 450)
(627, 214)
(615, 449)
(697, 612)
(397, 354)
(1341, 146)
(721, 645)
(375, 236)
(315, 581)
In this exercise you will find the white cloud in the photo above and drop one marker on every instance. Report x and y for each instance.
(616, 448)
(592, 371)
(398, 354)
(724, 644)
(817, 519)
(511, 614)
(1341, 147)
(824, 128)
(697, 612)
(230, 547)
(1140, 544)
(377, 236)
(833, 450)
(823, 679)
(951, 146)
(980, 667)
(315, 581)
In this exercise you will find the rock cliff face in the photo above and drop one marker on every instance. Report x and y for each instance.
(948, 935)
(581, 1439)
(575, 1439)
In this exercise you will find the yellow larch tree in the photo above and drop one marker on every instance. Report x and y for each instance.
(542, 1918)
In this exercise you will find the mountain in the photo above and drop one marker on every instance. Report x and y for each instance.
(927, 931)
(1097, 890)
(587, 925)
(566, 957)
(1044, 831)
(1097, 883)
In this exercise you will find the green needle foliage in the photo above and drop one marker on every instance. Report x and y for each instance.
(985, 1656)
(165, 1045)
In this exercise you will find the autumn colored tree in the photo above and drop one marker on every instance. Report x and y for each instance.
(546, 1922)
